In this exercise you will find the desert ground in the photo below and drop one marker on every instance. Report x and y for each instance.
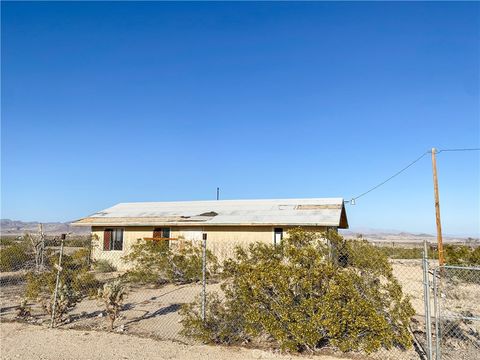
(21, 341)
(149, 324)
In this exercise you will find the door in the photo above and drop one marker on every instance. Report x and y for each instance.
(277, 235)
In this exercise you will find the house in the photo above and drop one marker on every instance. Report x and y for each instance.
(225, 223)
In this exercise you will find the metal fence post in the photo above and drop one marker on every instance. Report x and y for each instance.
(204, 276)
(436, 309)
(426, 299)
(59, 270)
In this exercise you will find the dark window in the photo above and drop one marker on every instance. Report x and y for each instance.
(166, 233)
(161, 233)
(113, 239)
(157, 233)
(277, 235)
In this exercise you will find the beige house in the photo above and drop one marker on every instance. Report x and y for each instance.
(224, 223)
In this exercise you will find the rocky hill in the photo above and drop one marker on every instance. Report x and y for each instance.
(17, 227)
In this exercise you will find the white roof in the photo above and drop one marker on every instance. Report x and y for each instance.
(301, 212)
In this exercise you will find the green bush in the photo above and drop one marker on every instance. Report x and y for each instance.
(185, 265)
(462, 255)
(78, 241)
(75, 275)
(104, 266)
(6, 241)
(15, 257)
(454, 254)
(153, 262)
(149, 260)
(308, 292)
(402, 253)
(224, 322)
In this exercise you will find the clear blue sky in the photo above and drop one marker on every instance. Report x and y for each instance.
(114, 102)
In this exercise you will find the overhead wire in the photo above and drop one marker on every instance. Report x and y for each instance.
(445, 150)
(353, 199)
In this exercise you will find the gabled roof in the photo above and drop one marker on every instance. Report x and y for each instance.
(293, 212)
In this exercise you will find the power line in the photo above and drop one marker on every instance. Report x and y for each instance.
(352, 201)
(445, 150)
(390, 178)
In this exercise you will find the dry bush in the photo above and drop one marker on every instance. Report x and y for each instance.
(112, 295)
(67, 299)
(24, 311)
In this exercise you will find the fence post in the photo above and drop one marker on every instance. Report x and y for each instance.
(426, 299)
(438, 338)
(204, 276)
(59, 270)
(42, 247)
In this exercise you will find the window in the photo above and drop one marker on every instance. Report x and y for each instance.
(113, 239)
(277, 235)
(166, 233)
(161, 233)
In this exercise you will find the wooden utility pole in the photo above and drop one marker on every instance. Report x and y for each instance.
(441, 259)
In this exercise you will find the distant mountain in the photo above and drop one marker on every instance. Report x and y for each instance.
(17, 227)
(380, 235)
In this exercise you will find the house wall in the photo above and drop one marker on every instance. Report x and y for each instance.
(221, 240)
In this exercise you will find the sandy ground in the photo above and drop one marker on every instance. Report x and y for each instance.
(154, 313)
(29, 342)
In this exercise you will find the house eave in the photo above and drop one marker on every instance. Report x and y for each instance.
(199, 224)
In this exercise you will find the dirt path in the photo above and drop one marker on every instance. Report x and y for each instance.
(20, 341)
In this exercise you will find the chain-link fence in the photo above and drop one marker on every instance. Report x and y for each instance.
(146, 290)
(69, 288)
(457, 312)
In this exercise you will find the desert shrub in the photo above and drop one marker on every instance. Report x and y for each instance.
(307, 292)
(149, 260)
(24, 311)
(6, 241)
(15, 256)
(75, 275)
(474, 258)
(81, 257)
(185, 265)
(112, 295)
(153, 262)
(85, 283)
(104, 266)
(224, 323)
(462, 255)
(67, 299)
(78, 241)
(402, 253)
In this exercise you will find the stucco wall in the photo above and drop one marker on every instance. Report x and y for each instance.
(220, 240)
(130, 237)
